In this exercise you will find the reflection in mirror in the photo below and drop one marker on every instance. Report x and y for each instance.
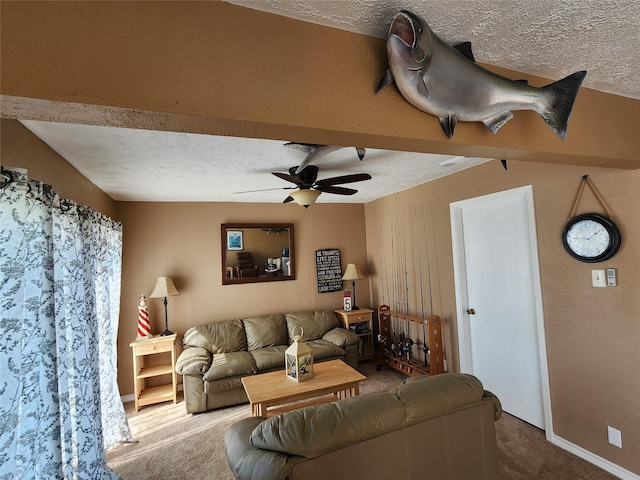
(257, 252)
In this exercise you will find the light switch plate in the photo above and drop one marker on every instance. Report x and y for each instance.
(598, 278)
(615, 436)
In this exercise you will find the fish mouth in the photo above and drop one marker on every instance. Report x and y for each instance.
(404, 28)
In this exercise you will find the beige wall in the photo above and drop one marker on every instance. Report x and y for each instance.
(105, 74)
(278, 78)
(183, 240)
(592, 334)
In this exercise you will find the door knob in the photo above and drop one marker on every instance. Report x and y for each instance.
(471, 311)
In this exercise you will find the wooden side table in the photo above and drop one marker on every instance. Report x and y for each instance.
(361, 316)
(149, 395)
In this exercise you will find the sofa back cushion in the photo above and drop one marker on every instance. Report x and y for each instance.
(314, 323)
(217, 337)
(265, 331)
(312, 431)
(426, 397)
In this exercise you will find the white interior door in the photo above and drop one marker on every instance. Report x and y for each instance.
(500, 322)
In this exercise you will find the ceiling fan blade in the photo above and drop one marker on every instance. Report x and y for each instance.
(336, 190)
(288, 199)
(357, 177)
(289, 178)
(266, 190)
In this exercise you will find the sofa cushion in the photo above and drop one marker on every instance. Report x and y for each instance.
(224, 384)
(323, 350)
(268, 358)
(230, 364)
(341, 337)
(314, 323)
(430, 396)
(218, 337)
(265, 331)
(313, 431)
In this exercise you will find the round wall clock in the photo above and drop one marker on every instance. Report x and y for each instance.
(591, 238)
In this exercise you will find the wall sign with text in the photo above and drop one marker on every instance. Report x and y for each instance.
(328, 270)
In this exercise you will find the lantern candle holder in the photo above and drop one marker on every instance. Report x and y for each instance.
(298, 358)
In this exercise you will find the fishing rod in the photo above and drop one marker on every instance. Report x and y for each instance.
(425, 347)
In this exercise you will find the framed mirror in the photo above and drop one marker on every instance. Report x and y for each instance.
(257, 252)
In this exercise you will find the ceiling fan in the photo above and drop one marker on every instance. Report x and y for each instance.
(308, 188)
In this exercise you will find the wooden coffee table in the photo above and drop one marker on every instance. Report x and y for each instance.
(272, 393)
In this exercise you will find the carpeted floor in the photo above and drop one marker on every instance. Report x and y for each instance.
(174, 446)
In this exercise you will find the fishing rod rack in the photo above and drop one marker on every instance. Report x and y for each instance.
(397, 344)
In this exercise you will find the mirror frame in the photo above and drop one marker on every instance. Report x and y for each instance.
(224, 227)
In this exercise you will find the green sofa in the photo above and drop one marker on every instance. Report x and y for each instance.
(430, 427)
(217, 355)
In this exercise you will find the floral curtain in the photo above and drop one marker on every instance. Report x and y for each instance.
(60, 293)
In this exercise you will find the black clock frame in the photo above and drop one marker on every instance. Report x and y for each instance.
(615, 238)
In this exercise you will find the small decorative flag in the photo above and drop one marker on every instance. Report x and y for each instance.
(144, 328)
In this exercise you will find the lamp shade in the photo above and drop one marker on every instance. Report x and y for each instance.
(164, 288)
(305, 197)
(352, 272)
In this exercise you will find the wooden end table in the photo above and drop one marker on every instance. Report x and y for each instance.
(272, 393)
(363, 315)
(143, 348)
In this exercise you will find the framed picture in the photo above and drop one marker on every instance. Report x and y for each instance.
(234, 240)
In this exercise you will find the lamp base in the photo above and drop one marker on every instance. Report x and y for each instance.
(354, 307)
(166, 332)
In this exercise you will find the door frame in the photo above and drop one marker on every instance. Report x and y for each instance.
(461, 292)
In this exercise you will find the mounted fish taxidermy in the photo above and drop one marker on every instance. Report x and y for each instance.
(315, 151)
(445, 81)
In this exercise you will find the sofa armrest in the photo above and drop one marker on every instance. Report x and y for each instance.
(193, 361)
(488, 396)
(250, 463)
(341, 337)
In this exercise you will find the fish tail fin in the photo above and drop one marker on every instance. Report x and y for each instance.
(561, 97)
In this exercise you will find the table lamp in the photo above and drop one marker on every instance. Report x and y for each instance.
(353, 273)
(164, 288)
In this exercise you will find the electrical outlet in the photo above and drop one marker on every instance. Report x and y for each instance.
(615, 436)
(598, 278)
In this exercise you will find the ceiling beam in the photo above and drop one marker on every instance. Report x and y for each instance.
(217, 68)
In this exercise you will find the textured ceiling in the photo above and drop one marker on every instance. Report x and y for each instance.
(143, 165)
(547, 38)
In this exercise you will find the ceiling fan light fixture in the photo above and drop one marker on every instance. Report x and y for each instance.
(305, 197)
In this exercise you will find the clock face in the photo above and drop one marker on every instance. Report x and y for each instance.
(591, 238)
(588, 238)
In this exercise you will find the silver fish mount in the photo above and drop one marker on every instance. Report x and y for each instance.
(315, 151)
(444, 81)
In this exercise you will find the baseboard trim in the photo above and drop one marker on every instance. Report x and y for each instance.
(590, 457)
(131, 397)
